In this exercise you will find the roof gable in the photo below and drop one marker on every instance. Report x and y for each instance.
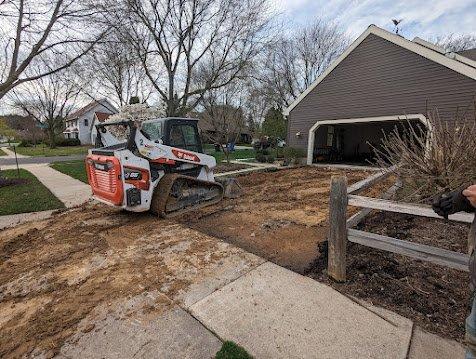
(90, 106)
(453, 62)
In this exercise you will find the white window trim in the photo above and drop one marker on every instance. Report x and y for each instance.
(312, 131)
(465, 66)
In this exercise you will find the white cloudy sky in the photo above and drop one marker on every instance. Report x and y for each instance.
(425, 19)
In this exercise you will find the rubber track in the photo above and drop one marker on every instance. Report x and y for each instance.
(162, 195)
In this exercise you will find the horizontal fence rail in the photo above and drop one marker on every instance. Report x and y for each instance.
(419, 251)
(399, 207)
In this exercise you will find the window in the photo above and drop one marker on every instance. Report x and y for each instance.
(190, 137)
(153, 130)
(176, 137)
(184, 136)
(86, 122)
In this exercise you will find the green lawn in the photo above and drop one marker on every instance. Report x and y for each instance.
(230, 350)
(27, 197)
(75, 169)
(2, 153)
(42, 150)
(237, 154)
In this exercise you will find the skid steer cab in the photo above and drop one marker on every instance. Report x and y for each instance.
(158, 165)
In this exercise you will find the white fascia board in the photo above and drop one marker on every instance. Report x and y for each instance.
(460, 67)
(457, 57)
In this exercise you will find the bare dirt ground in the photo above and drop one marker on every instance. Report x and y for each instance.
(53, 273)
(57, 272)
(282, 215)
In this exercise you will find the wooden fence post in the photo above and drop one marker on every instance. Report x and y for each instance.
(336, 261)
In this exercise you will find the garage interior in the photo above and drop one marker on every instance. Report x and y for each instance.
(355, 143)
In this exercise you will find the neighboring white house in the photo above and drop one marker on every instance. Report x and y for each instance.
(81, 122)
(98, 118)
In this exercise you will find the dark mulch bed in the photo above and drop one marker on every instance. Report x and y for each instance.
(435, 297)
(4, 182)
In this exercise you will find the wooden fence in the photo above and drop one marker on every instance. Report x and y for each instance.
(341, 231)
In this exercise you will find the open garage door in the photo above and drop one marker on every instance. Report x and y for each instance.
(352, 140)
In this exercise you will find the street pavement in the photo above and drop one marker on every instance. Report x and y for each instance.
(10, 161)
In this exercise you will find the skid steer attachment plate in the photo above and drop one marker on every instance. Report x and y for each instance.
(177, 194)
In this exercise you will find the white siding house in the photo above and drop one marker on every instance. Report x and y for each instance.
(80, 123)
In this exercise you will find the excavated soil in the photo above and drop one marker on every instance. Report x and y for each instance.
(282, 215)
(54, 273)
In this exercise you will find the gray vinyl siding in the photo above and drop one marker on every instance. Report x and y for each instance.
(380, 78)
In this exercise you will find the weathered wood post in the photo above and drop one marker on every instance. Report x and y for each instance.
(336, 261)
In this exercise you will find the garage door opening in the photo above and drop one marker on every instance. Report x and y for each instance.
(352, 141)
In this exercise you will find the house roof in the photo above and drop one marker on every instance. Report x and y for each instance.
(470, 54)
(90, 106)
(461, 63)
(102, 116)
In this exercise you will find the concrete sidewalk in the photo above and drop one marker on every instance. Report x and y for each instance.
(68, 190)
(276, 313)
(11, 155)
(270, 311)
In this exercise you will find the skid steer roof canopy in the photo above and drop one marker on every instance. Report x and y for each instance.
(175, 132)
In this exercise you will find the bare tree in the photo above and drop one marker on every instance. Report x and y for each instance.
(113, 70)
(176, 39)
(33, 30)
(48, 100)
(295, 61)
(223, 119)
(455, 43)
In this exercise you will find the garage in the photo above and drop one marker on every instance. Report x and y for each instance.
(381, 81)
(354, 141)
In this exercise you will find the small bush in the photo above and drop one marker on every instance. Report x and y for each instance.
(293, 155)
(264, 156)
(26, 143)
(65, 142)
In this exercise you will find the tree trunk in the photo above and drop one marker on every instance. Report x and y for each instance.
(51, 135)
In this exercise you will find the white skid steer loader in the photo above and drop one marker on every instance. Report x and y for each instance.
(160, 167)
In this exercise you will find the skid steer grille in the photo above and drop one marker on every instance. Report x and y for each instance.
(104, 178)
(105, 181)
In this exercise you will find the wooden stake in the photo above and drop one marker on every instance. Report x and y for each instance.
(336, 261)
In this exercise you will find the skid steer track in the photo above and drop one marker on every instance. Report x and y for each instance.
(177, 194)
